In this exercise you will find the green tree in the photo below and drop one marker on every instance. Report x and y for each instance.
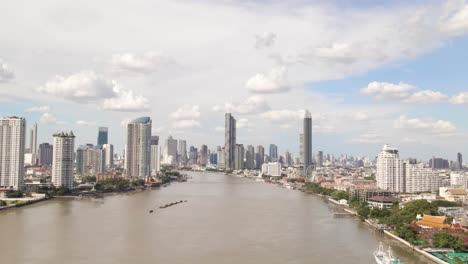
(14, 194)
(363, 211)
(2, 203)
(447, 240)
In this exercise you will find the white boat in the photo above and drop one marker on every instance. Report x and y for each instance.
(382, 257)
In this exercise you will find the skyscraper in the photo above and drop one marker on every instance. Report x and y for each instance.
(182, 152)
(239, 157)
(307, 139)
(288, 160)
(12, 144)
(193, 155)
(259, 157)
(170, 151)
(203, 157)
(250, 157)
(45, 154)
(109, 155)
(62, 163)
(229, 141)
(90, 160)
(273, 153)
(138, 152)
(301, 148)
(155, 155)
(221, 163)
(320, 159)
(102, 136)
(390, 170)
(33, 139)
(460, 161)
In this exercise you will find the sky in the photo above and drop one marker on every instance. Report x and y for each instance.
(370, 72)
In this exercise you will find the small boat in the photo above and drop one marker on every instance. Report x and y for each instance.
(151, 211)
(381, 257)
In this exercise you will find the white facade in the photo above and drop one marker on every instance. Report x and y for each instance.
(390, 174)
(12, 144)
(62, 161)
(419, 179)
(155, 159)
(109, 155)
(138, 151)
(271, 169)
(170, 151)
(458, 179)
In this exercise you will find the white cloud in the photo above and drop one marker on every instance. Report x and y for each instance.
(126, 101)
(426, 97)
(461, 98)
(273, 82)
(388, 91)
(252, 105)
(124, 122)
(455, 21)
(82, 87)
(283, 117)
(44, 108)
(243, 123)
(186, 123)
(85, 123)
(368, 138)
(427, 126)
(340, 53)
(187, 112)
(265, 40)
(219, 129)
(145, 64)
(47, 118)
(6, 73)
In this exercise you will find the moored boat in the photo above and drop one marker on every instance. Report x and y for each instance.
(382, 257)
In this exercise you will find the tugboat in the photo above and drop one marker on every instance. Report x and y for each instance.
(151, 211)
(381, 257)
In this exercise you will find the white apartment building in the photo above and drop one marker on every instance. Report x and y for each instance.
(12, 144)
(271, 169)
(390, 173)
(138, 151)
(419, 179)
(62, 161)
(155, 159)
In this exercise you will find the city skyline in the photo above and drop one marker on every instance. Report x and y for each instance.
(365, 86)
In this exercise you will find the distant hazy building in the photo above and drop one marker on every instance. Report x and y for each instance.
(193, 155)
(259, 157)
(103, 134)
(155, 155)
(33, 139)
(203, 157)
(250, 157)
(182, 152)
(301, 148)
(307, 141)
(239, 157)
(62, 162)
(12, 144)
(45, 154)
(170, 151)
(138, 152)
(439, 163)
(229, 141)
(460, 161)
(214, 158)
(273, 153)
(271, 169)
(390, 170)
(90, 160)
(288, 160)
(320, 159)
(109, 155)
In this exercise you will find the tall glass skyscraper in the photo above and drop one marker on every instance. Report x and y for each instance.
(307, 141)
(229, 141)
(138, 151)
(102, 136)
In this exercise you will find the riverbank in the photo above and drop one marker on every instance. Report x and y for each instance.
(24, 203)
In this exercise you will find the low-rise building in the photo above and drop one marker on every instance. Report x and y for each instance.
(454, 194)
(381, 202)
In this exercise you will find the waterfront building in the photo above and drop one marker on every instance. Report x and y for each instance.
(155, 155)
(381, 202)
(45, 153)
(221, 163)
(364, 194)
(390, 173)
(272, 169)
(102, 139)
(214, 158)
(273, 153)
(203, 157)
(239, 157)
(182, 152)
(170, 151)
(250, 157)
(12, 144)
(193, 155)
(90, 160)
(307, 141)
(419, 179)
(259, 157)
(138, 151)
(62, 162)
(109, 155)
(229, 141)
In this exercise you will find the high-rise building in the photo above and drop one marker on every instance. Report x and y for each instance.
(320, 159)
(62, 162)
(102, 139)
(138, 152)
(229, 141)
(221, 163)
(203, 157)
(259, 157)
(45, 154)
(288, 160)
(33, 139)
(155, 155)
(239, 157)
(12, 144)
(390, 170)
(170, 151)
(214, 158)
(307, 141)
(301, 148)
(439, 163)
(109, 155)
(460, 161)
(273, 153)
(418, 179)
(90, 160)
(182, 152)
(193, 155)
(250, 157)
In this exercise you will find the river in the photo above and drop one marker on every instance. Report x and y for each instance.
(226, 220)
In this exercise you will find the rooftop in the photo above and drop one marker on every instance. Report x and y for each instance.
(141, 120)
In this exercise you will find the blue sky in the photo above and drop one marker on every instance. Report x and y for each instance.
(370, 72)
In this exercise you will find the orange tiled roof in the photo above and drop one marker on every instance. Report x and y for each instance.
(434, 221)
